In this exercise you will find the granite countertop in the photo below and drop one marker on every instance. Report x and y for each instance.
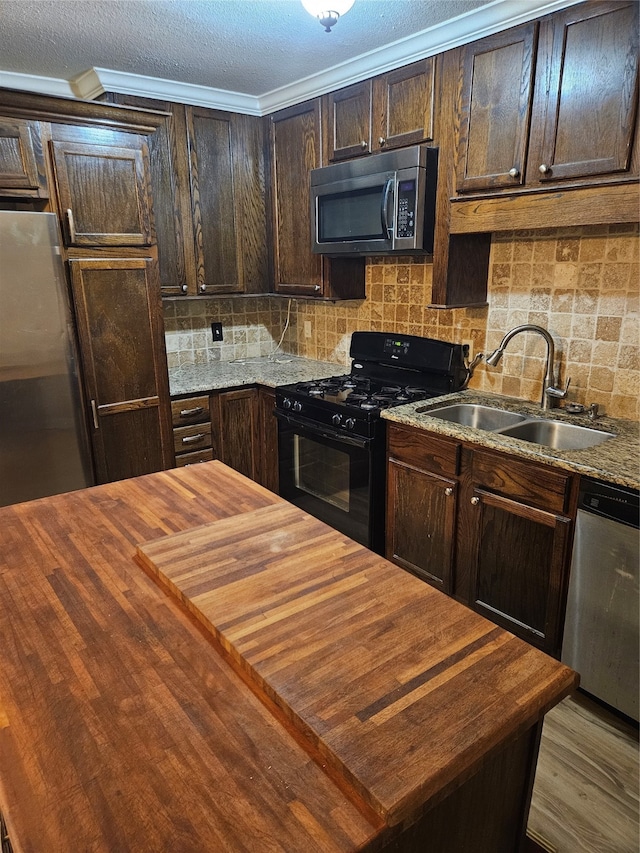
(270, 371)
(615, 460)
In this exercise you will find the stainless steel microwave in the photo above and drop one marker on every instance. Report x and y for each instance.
(376, 205)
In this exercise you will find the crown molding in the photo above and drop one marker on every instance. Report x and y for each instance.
(495, 16)
(96, 81)
(40, 85)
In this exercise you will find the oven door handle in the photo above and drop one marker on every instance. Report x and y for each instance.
(323, 432)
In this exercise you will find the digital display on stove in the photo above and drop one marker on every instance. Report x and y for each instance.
(395, 346)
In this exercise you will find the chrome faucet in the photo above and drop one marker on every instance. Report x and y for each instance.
(549, 391)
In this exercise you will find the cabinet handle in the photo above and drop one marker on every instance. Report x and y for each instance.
(94, 412)
(71, 226)
(363, 145)
(448, 491)
(475, 501)
(193, 439)
(382, 140)
(191, 413)
(544, 169)
(514, 173)
(184, 288)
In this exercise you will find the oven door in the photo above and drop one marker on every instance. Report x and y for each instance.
(333, 476)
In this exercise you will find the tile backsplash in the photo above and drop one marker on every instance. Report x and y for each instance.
(582, 284)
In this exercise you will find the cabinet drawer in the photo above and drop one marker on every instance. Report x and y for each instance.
(183, 459)
(424, 450)
(538, 485)
(190, 411)
(195, 437)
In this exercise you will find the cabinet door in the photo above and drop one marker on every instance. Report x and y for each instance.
(403, 105)
(295, 151)
(497, 89)
(349, 121)
(21, 159)
(215, 219)
(103, 192)
(585, 109)
(238, 430)
(119, 320)
(421, 517)
(267, 448)
(517, 566)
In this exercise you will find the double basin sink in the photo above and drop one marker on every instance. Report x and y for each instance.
(555, 434)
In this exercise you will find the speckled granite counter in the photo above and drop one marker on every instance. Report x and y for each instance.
(616, 460)
(281, 370)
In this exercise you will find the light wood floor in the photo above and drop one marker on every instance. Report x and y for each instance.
(585, 798)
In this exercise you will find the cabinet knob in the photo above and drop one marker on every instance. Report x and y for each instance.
(184, 288)
(203, 288)
(382, 140)
(475, 501)
(544, 169)
(448, 491)
(363, 145)
(317, 288)
(514, 173)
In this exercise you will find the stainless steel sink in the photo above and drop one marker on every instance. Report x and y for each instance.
(556, 434)
(474, 415)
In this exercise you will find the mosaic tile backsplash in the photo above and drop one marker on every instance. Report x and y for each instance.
(582, 284)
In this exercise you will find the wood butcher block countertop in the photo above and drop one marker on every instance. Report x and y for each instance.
(356, 697)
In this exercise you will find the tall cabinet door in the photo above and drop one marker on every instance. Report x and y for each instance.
(497, 91)
(586, 102)
(103, 194)
(119, 325)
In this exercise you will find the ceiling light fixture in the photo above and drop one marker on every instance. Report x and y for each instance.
(327, 17)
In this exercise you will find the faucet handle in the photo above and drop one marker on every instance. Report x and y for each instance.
(558, 393)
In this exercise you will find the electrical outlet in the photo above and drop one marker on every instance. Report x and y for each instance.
(216, 331)
(307, 328)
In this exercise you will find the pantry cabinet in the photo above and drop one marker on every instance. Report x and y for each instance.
(22, 169)
(295, 137)
(551, 104)
(124, 365)
(490, 529)
(389, 111)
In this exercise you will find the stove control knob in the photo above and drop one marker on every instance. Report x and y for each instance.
(336, 420)
(286, 403)
(297, 406)
(350, 423)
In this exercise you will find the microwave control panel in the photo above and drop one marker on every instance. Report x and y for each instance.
(405, 222)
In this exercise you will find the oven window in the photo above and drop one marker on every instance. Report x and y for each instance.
(322, 471)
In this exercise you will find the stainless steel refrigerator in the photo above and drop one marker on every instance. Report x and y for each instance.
(44, 447)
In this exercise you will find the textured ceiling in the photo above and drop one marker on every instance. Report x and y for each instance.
(249, 46)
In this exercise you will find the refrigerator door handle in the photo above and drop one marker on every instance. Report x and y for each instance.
(94, 412)
(71, 226)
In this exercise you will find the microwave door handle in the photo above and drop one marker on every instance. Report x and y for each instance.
(384, 212)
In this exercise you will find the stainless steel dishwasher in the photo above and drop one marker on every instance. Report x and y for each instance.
(601, 627)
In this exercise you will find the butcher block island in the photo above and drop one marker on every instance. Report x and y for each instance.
(191, 664)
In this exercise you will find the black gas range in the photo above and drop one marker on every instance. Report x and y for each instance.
(330, 434)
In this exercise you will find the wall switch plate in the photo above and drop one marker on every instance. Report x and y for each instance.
(216, 331)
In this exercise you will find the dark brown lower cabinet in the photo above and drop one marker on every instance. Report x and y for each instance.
(268, 475)
(491, 529)
(122, 349)
(237, 420)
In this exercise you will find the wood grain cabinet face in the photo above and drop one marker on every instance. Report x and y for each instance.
(349, 121)
(267, 449)
(118, 314)
(586, 94)
(295, 150)
(403, 106)
(497, 91)
(192, 431)
(103, 194)
(22, 171)
(238, 430)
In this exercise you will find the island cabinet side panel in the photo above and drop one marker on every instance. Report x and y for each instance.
(487, 813)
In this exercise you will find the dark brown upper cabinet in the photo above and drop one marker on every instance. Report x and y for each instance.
(497, 92)
(295, 150)
(586, 94)
(389, 111)
(403, 105)
(103, 193)
(22, 171)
